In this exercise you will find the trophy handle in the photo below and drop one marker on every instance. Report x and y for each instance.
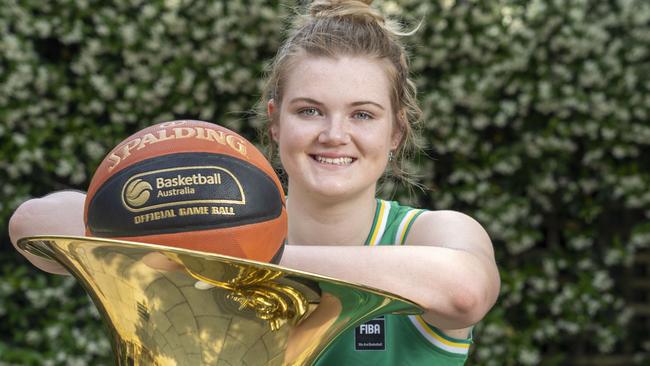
(255, 313)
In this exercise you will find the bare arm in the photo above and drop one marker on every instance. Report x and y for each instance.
(60, 213)
(447, 267)
(474, 268)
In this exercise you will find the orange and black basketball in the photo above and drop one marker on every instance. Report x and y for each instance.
(189, 184)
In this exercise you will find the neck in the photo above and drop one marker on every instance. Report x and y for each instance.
(329, 221)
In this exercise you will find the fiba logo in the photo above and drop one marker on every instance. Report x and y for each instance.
(369, 328)
(371, 335)
(137, 192)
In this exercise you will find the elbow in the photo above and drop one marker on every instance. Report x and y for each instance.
(472, 298)
(16, 226)
(468, 304)
(23, 223)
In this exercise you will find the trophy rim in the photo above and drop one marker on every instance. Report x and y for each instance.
(24, 244)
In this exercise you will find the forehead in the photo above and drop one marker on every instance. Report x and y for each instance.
(347, 77)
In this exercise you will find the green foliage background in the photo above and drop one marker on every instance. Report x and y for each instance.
(536, 124)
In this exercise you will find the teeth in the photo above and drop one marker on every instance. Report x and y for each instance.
(334, 161)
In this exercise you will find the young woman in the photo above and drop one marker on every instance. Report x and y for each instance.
(340, 108)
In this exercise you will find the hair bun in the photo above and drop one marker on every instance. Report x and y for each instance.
(355, 9)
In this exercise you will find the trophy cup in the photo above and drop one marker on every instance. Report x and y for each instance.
(253, 313)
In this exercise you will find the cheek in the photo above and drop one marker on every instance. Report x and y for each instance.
(291, 140)
(294, 132)
(286, 136)
(376, 142)
(291, 149)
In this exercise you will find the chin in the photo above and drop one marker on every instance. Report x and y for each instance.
(338, 190)
(333, 186)
(328, 189)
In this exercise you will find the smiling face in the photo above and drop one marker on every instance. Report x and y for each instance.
(335, 126)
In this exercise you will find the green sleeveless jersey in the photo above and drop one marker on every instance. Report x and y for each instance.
(394, 339)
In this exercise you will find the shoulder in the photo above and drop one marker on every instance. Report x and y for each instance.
(449, 217)
(449, 229)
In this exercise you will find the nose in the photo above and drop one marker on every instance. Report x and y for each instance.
(335, 131)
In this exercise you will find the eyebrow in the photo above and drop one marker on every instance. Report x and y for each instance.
(355, 104)
(306, 100)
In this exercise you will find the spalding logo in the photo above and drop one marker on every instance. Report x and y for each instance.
(172, 131)
(137, 192)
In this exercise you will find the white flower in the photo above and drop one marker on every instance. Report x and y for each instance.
(529, 356)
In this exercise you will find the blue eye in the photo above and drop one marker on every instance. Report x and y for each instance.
(309, 112)
(362, 115)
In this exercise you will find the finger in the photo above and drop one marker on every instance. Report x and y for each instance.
(200, 285)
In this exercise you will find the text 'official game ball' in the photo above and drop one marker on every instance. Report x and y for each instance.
(193, 185)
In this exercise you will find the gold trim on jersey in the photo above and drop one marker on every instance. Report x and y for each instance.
(460, 347)
(403, 228)
(380, 225)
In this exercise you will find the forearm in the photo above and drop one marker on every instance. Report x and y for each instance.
(449, 284)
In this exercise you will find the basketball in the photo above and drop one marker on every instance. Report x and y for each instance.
(193, 185)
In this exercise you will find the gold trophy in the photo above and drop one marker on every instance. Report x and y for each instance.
(252, 313)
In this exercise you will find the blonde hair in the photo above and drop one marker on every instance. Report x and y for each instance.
(349, 28)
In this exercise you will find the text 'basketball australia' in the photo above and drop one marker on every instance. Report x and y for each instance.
(188, 185)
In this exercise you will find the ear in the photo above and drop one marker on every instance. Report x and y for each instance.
(398, 133)
(274, 128)
(270, 108)
(395, 140)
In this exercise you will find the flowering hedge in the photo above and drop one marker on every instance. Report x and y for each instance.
(536, 123)
(537, 117)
